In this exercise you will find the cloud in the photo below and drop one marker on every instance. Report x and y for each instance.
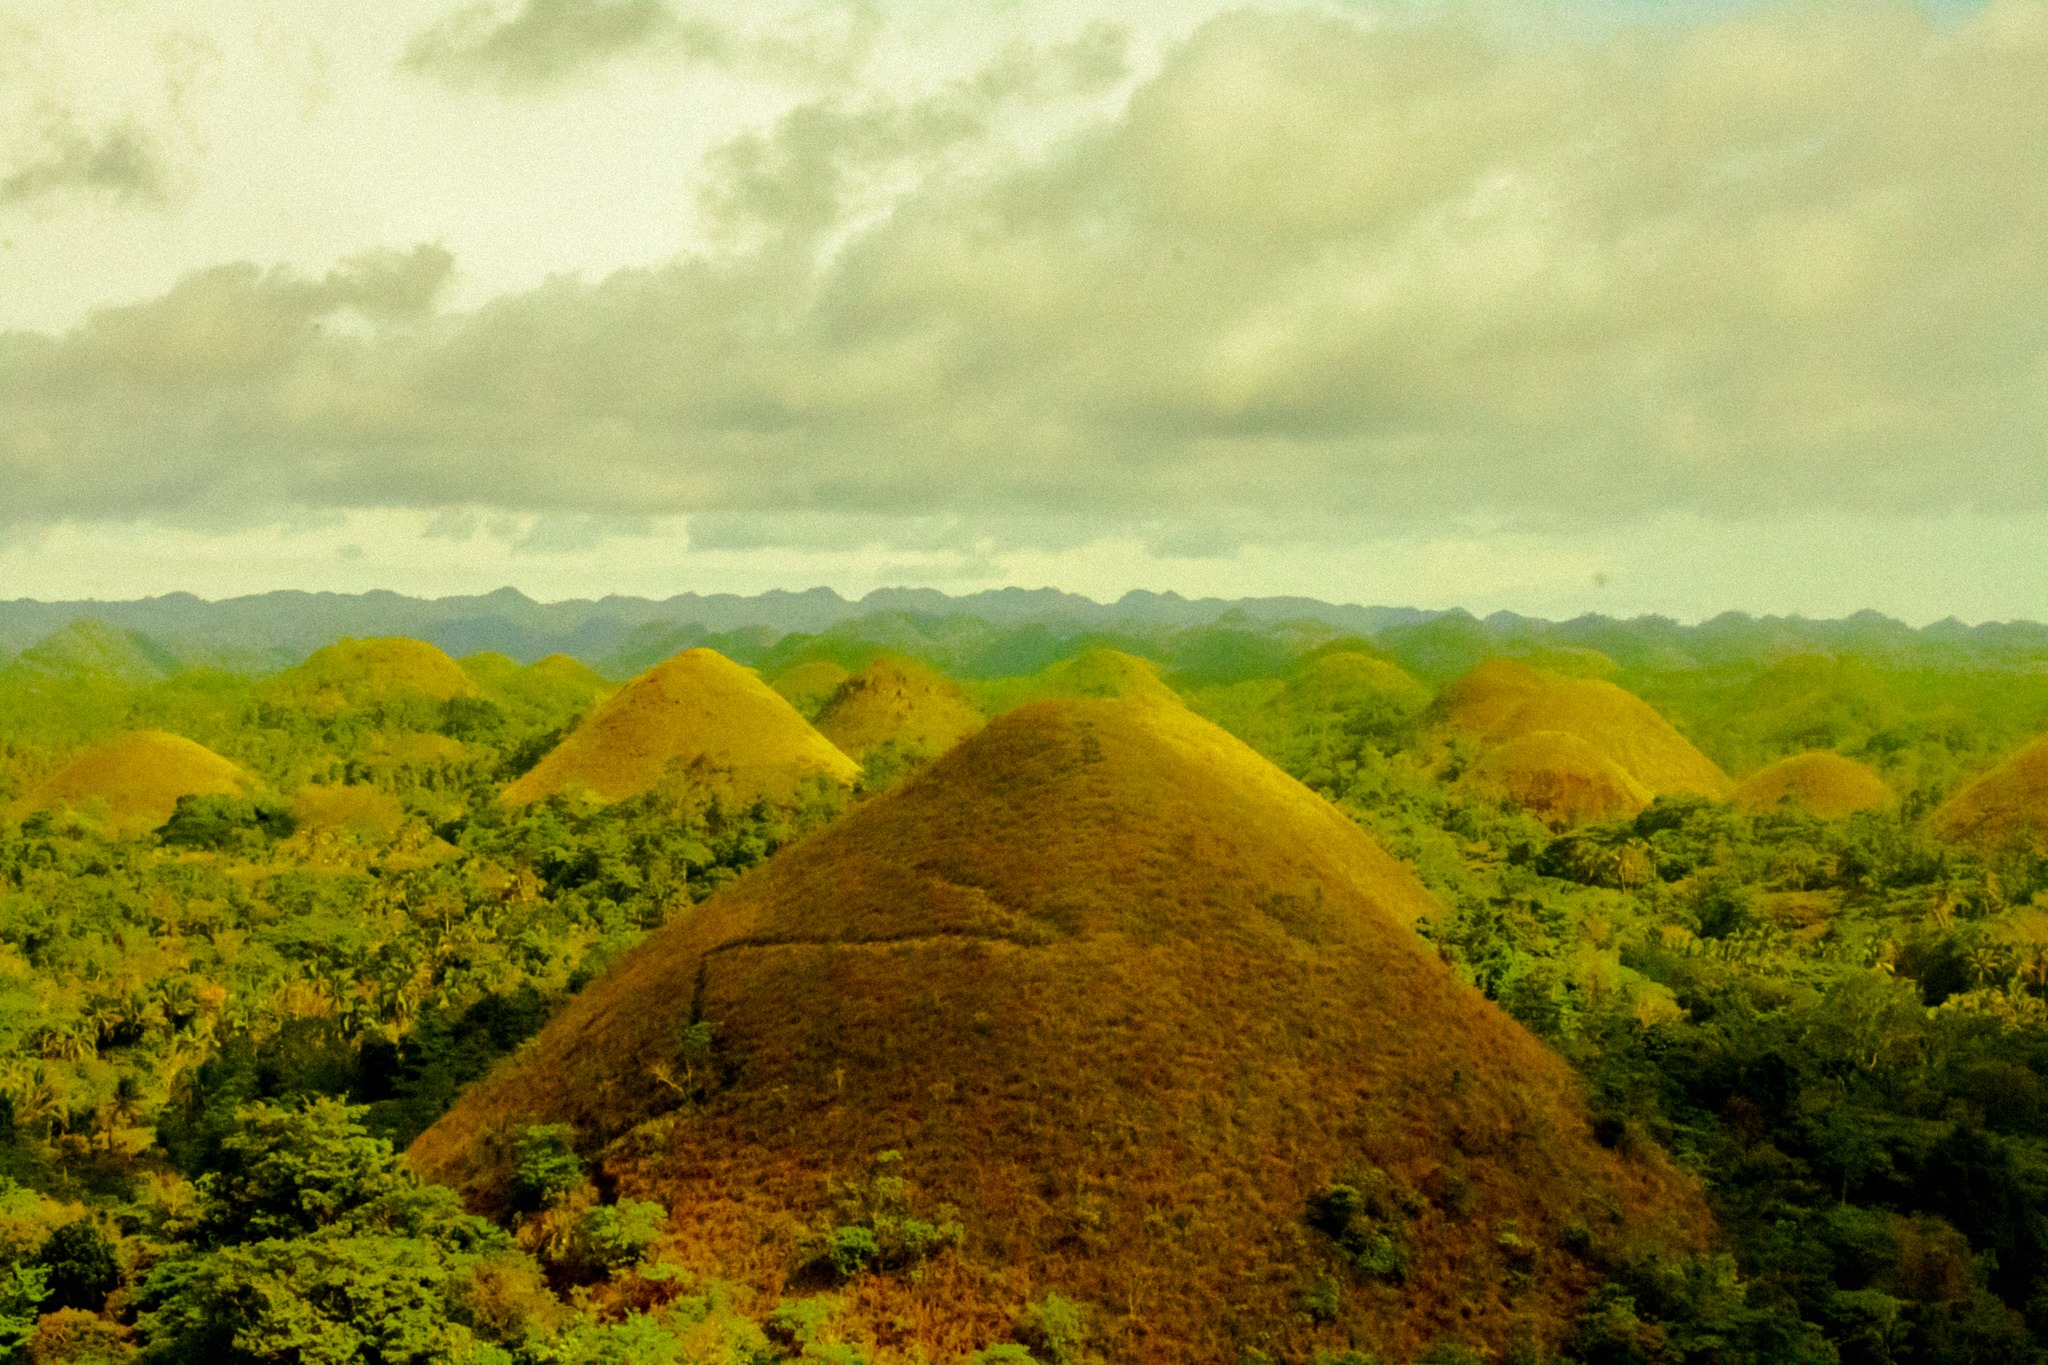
(1312, 274)
(119, 160)
(545, 44)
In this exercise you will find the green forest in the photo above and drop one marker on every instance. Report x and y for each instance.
(219, 1032)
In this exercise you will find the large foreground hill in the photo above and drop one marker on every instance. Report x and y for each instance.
(1142, 1015)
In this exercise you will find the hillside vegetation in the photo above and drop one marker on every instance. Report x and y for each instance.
(1817, 997)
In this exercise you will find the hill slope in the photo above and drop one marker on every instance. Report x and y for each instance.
(898, 703)
(810, 685)
(132, 782)
(1501, 700)
(1822, 783)
(1557, 777)
(699, 710)
(1131, 1001)
(2006, 806)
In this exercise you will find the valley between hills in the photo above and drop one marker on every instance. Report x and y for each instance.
(780, 979)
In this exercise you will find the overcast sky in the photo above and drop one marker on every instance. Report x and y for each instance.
(1600, 306)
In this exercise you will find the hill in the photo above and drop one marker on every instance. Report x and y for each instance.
(1557, 777)
(2003, 808)
(699, 710)
(1091, 673)
(555, 686)
(897, 703)
(1822, 782)
(130, 784)
(356, 673)
(1144, 1014)
(1501, 700)
(810, 685)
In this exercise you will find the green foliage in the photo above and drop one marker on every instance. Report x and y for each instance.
(79, 1266)
(546, 1166)
(226, 823)
(1366, 1217)
(612, 1237)
(1059, 1326)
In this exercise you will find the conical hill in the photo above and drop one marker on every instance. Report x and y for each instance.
(2006, 807)
(1820, 783)
(131, 783)
(1502, 700)
(810, 685)
(1139, 1011)
(1091, 673)
(1557, 777)
(899, 704)
(356, 673)
(698, 711)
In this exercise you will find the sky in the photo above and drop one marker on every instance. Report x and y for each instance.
(1551, 307)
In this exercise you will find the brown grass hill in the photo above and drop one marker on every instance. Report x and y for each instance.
(1142, 1013)
(1821, 783)
(2004, 808)
(350, 674)
(698, 711)
(903, 705)
(809, 686)
(130, 784)
(1557, 777)
(1502, 700)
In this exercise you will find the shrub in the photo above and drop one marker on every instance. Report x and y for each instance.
(80, 1264)
(611, 1237)
(1060, 1326)
(547, 1167)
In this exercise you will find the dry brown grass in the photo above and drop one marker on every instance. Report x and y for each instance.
(130, 784)
(1557, 777)
(353, 673)
(1821, 783)
(2006, 807)
(699, 712)
(1502, 700)
(356, 809)
(897, 702)
(809, 686)
(1124, 995)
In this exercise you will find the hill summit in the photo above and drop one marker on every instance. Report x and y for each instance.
(700, 711)
(900, 704)
(356, 673)
(2005, 807)
(1821, 783)
(1143, 1015)
(131, 783)
(1503, 700)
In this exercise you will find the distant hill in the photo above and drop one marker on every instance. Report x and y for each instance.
(809, 686)
(698, 713)
(1009, 630)
(358, 673)
(900, 705)
(1092, 673)
(131, 784)
(1502, 700)
(1558, 777)
(1144, 1013)
(1820, 783)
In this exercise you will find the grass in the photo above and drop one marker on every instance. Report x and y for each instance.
(896, 702)
(356, 673)
(1125, 998)
(2004, 807)
(1822, 783)
(1502, 700)
(1558, 777)
(131, 783)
